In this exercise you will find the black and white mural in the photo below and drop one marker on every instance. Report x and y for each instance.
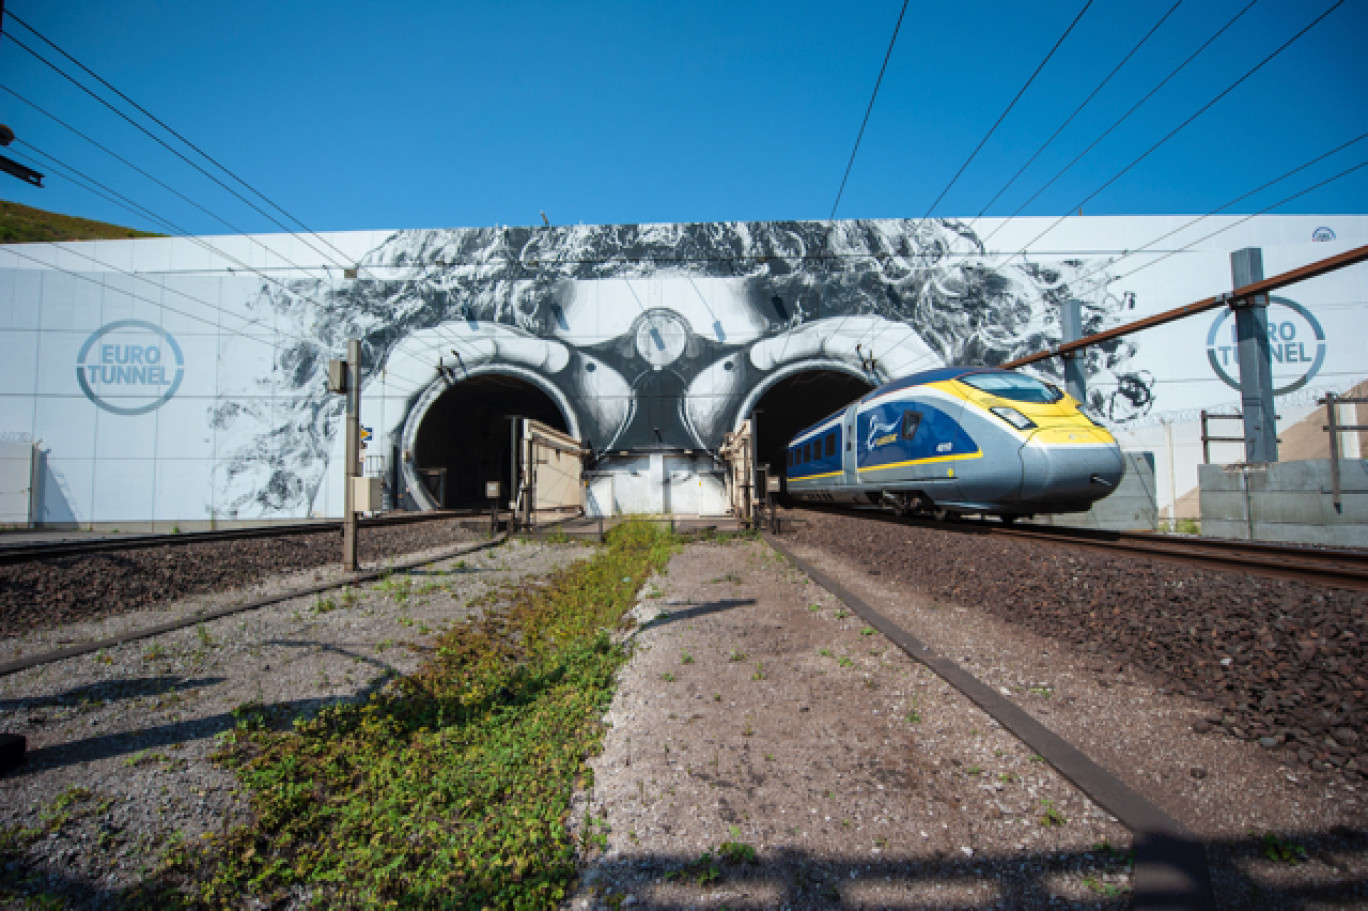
(162, 381)
(654, 338)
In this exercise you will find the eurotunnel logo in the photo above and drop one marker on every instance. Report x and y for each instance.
(130, 367)
(1296, 342)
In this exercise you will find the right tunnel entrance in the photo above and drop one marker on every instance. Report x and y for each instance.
(797, 402)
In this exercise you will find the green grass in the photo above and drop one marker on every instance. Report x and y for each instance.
(20, 224)
(451, 787)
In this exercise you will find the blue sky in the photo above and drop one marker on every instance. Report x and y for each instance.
(376, 116)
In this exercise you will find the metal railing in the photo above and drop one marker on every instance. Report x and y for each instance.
(1208, 439)
(1335, 428)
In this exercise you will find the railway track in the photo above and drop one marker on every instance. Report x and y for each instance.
(23, 552)
(1339, 568)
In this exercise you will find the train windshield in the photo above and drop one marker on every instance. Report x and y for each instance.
(1014, 386)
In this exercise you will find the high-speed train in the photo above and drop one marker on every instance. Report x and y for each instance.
(958, 440)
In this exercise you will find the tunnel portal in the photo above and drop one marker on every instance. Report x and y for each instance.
(464, 439)
(797, 402)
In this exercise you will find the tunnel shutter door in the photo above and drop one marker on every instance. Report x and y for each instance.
(550, 473)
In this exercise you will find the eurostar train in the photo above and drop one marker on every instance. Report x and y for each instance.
(959, 440)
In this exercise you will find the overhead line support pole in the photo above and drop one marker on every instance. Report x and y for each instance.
(1256, 359)
(353, 455)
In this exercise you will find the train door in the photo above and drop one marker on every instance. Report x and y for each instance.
(850, 447)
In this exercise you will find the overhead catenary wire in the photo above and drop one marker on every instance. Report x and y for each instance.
(1265, 210)
(176, 134)
(1108, 279)
(11, 251)
(1221, 208)
(1174, 132)
(144, 173)
(81, 179)
(164, 144)
(1003, 115)
(1078, 110)
(1123, 118)
(869, 110)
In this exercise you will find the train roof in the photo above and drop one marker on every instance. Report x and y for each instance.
(938, 375)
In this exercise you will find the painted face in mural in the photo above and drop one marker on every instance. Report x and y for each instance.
(663, 337)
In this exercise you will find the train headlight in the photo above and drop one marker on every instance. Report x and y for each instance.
(1013, 417)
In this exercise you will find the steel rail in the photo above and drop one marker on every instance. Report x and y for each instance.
(1233, 298)
(1170, 863)
(1336, 568)
(21, 553)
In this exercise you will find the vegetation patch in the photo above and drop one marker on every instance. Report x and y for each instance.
(449, 788)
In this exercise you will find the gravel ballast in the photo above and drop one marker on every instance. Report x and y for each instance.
(1277, 662)
(50, 592)
(120, 741)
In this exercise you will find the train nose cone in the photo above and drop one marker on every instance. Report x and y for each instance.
(1071, 476)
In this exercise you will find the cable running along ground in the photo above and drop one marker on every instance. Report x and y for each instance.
(864, 123)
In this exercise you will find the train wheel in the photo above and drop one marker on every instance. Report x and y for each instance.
(940, 514)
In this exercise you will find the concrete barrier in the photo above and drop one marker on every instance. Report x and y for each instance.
(1286, 501)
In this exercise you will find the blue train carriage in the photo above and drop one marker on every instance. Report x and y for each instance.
(957, 440)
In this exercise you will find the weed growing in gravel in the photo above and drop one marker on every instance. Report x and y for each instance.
(668, 677)
(1042, 691)
(842, 613)
(737, 656)
(202, 632)
(844, 661)
(867, 631)
(814, 607)
(155, 653)
(685, 658)
(451, 786)
(736, 851)
(1103, 888)
(1050, 817)
(914, 717)
(759, 671)
(1281, 850)
(824, 652)
(974, 770)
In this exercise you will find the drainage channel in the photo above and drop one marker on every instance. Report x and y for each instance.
(1170, 864)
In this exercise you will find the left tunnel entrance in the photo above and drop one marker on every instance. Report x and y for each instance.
(464, 438)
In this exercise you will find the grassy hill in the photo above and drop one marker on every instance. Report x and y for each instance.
(21, 224)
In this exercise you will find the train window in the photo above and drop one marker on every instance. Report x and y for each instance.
(830, 445)
(807, 452)
(910, 422)
(1013, 386)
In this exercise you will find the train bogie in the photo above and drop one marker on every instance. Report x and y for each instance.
(958, 440)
